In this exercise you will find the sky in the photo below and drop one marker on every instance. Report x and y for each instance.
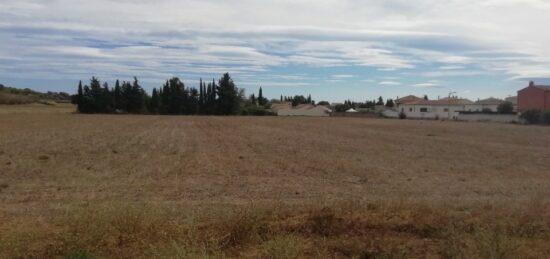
(332, 49)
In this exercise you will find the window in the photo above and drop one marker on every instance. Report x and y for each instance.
(446, 110)
(423, 109)
(410, 109)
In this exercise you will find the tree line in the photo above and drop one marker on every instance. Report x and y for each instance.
(216, 98)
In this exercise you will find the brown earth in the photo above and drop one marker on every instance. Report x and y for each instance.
(367, 187)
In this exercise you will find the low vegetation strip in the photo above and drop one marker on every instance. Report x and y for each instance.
(343, 229)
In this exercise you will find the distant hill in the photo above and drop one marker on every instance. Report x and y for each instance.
(12, 95)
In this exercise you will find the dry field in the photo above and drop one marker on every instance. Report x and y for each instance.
(87, 186)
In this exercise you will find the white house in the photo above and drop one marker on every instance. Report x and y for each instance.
(286, 109)
(447, 108)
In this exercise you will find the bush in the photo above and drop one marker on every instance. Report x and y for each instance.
(486, 110)
(546, 117)
(257, 111)
(402, 115)
(505, 107)
(532, 116)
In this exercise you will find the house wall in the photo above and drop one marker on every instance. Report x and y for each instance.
(431, 112)
(480, 107)
(532, 98)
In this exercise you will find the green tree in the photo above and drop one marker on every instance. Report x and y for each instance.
(380, 101)
(154, 106)
(531, 116)
(117, 92)
(252, 99)
(261, 100)
(80, 97)
(389, 103)
(228, 102)
(505, 107)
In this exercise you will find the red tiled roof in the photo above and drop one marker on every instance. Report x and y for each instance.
(408, 98)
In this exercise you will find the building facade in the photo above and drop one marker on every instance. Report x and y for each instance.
(534, 97)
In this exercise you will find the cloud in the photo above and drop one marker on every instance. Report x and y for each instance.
(122, 38)
(389, 83)
(342, 76)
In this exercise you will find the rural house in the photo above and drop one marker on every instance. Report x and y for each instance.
(534, 97)
(434, 109)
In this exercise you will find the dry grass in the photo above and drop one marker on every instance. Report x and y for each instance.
(83, 186)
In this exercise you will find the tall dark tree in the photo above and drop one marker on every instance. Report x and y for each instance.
(80, 97)
(389, 103)
(201, 94)
(117, 96)
(154, 105)
(261, 100)
(253, 99)
(228, 102)
(380, 101)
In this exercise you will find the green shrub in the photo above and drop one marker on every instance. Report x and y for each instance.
(505, 107)
(486, 110)
(532, 116)
(257, 111)
(402, 115)
(546, 117)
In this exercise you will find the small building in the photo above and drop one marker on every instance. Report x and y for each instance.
(447, 108)
(534, 97)
(301, 110)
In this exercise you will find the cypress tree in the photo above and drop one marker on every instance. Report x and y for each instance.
(80, 97)
(201, 94)
(253, 99)
(260, 98)
(117, 96)
(154, 105)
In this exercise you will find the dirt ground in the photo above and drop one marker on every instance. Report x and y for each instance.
(52, 161)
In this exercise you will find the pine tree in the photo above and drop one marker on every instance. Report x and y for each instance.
(281, 98)
(228, 96)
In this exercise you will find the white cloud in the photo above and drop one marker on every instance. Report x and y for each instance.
(47, 38)
(389, 83)
(342, 76)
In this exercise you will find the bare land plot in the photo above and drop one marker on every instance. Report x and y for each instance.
(260, 186)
